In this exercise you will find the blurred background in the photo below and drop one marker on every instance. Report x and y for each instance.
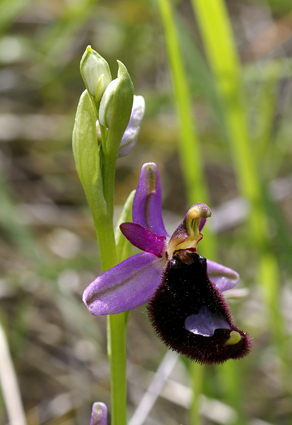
(48, 249)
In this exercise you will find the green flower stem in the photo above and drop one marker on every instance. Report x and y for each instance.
(116, 327)
(117, 357)
(106, 242)
(117, 322)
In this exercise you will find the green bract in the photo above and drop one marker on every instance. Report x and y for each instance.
(95, 72)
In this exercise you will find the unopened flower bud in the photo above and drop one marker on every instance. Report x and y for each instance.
(98, 414)
(95, 73)
(131, 134)
(117, 100)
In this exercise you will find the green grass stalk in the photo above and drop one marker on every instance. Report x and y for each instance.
(190, 158)
(220, 48)
(197, 372)
(189, 148)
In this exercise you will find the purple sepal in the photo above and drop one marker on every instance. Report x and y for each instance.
(144, 239)
(98, 414)
(124, 287)
(147, 202)
(205, 322)
(223, 277)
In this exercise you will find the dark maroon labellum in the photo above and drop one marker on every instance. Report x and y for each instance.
(191, 316)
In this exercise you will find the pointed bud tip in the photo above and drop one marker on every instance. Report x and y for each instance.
(122, 68)
(90, 50)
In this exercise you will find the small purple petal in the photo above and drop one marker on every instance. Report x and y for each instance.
(143, 238)
(147, 202)
(98, 414)
(126, 286)
(205, 323)
(223, 277)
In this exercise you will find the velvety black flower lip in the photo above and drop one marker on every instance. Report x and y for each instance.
(191, 316)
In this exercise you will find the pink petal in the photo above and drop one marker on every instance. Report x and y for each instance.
(126, 286)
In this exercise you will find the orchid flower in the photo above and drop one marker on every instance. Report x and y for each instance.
(182, 288)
